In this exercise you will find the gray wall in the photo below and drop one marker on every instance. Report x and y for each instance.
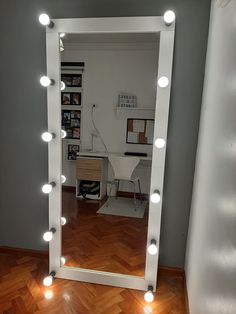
(23, 158)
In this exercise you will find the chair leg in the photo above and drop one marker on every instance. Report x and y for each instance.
(118, 185)
(135, 201)
(140, 193)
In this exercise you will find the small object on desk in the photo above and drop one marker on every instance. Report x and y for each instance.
(135, 154)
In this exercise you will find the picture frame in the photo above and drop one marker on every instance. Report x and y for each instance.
(68, 98)
(72, 151)
(140, 131)
(71, 122)
(72, 80)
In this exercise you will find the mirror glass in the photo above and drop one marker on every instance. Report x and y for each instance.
(108, 100)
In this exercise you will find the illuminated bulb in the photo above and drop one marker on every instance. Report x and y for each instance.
(44, 19)
(47, 188)
(62, 35)
(163, 82)
(169, 17)
(148, 296)
(160, 142)
(63, 221)
(63, 178)
(63, 85)
(155, 197)
(47, 281)
(63, 134)
(63, 260)
(152, 248)
(48, 294)
(47, 236)
(47, 136)
(45, 81)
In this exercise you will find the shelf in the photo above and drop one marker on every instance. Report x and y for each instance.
(137, 108)
(70, 107)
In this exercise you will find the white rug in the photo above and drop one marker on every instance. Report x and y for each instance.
(123, 206)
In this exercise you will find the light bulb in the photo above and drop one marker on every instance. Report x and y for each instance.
(63, 134)
(63, 221)
(160, 143)
(47, 281)
(62, 35)
(152, 248)
(148, 296)
(169, 17)
(47, 236)
(44, 19)
(163, 82)
(63, 260)
(63, 178)
(47, 136)
(48, 294)
(45, 81)
(47, 188)
(155, 197)
(63, 85)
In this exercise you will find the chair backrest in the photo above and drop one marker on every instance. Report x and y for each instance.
(123, 166)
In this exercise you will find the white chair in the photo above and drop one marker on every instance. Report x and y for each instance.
(123, 168)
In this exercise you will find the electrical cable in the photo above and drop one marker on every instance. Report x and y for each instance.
(96, 129)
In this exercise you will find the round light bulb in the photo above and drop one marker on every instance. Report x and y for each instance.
(63, 260)
(45, 81)
(160, 143)
(62, 35)
(169, 17)
(47, 236)
(163, 82)
(48, 294)
(47, 188)
(63, 85)
(148, 296)
(44, 19)
(63, 221)
(63, 134)
(47, 281)
(47, 137)
(63, 178)
(152, 249)
(155, 197)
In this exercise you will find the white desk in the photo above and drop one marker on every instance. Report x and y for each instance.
(105, 155)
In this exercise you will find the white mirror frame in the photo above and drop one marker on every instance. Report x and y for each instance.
(107, 25)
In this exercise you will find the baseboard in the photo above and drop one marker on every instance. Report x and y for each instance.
(171, 271)
(28, 252)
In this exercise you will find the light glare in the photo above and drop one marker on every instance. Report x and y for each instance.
(47, 281)
(47, 188)
(160, 143)
(47, 137)
(169, 17)
(45, 81)
(163, 81)
(44, 19)
(148, 296)
(155, 197)
(48, 236)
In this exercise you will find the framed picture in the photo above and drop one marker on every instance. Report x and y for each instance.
(71, 99)
(72, 80)
(65, 98)
(76, 133)
(72, 151)
(140, 131)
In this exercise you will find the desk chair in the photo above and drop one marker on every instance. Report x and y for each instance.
(123, 168)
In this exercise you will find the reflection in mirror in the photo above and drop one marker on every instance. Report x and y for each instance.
(108, 100)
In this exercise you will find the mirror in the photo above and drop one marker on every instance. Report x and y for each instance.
(107, 110)
(104, 222)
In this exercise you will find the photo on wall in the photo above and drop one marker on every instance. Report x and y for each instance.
(72, 80)
(71, 99)
(72, 151)
(140, 131)
(70, 122)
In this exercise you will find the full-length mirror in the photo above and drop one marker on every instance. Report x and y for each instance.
(108, 101)
(109, 83)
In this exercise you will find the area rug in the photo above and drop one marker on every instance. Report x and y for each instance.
(123, 206)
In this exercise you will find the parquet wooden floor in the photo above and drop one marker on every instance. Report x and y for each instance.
(102, 242)
(22, 292)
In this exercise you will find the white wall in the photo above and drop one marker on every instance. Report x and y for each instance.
(211, 251)
(111, 69)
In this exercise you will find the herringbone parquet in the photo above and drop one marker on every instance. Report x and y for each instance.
(102, 242)
(22, 292)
